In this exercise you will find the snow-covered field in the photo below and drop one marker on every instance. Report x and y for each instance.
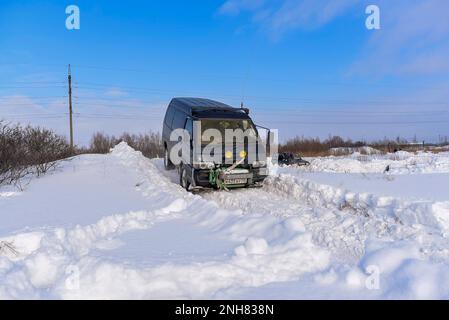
(119, 226)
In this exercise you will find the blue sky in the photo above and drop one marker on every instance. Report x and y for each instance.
(305, 67)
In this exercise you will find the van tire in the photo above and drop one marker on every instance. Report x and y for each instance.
(184, 178)
(168, 165)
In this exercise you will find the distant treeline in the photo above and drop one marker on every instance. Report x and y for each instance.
(150, 144)
(306, 146)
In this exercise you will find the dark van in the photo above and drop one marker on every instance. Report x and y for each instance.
(234, 164)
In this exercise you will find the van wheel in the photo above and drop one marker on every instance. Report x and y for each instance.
(183, 178)
(168, 165)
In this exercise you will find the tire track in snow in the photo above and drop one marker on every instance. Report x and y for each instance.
(279, 242)
(339, 220)
(331, 228)
(254, 263)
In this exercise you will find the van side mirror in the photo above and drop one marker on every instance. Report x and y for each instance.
(270, 139)
(268, 146)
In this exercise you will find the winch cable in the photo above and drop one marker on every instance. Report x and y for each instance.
(214, 175)
(235, 165)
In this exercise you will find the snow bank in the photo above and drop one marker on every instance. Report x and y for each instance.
(59, 254)
(246, 268)
(390, 209)
(350, 150)
(398, 163)
(412, 257)
(302, 238)
(441, 212)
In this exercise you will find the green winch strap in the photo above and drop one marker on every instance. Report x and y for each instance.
(212, 177)
(215, 180)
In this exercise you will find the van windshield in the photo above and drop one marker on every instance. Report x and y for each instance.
(223, 124)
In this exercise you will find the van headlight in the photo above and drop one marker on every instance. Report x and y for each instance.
(258, 164)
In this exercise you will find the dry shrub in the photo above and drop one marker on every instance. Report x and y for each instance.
(305, 146)
(28, 150)
(360, 209)
(101, 143)
(150, 144)
(45, 148)
(313, 147)
(436, 150)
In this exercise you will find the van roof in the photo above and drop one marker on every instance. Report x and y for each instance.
(189, 103)
(206, 107)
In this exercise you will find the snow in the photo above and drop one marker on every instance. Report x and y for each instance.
(399, 163)
(143, 247)
(118, 226)
(414, 186)
(350, 150)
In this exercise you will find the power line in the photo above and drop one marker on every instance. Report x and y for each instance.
(280, 112)
(28, 118)
(37, 82)
(33, 114)
(361, 122)
(300, 112)
(117, 116)
(217, 75)
(136, 116)
(32, 64)
(31, 97)
(101, 87)
(31, 87)
(23, 105)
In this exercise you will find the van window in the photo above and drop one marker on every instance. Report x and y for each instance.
(169, 116)
(178, 120)
(189, 127)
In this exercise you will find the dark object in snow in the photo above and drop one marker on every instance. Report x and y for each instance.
(289, 158)
(387, 169)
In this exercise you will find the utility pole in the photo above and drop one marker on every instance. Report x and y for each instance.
(70, 108)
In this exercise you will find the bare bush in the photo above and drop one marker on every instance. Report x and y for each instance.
(101, 143)
(150, 144)
(337, 146)
(28, 150)
(12, 167)
(316, 147)
(45, 148)
(305, 146)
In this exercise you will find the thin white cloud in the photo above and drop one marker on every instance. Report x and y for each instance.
(116, 92)
(279, 17)
(235, 7)
(307, 14)
(414, 39)
(91, 114)
(414, 35)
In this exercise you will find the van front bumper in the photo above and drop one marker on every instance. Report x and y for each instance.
(200, 177)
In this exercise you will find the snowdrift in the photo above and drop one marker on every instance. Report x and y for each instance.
(294, 238)
(398, 163)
